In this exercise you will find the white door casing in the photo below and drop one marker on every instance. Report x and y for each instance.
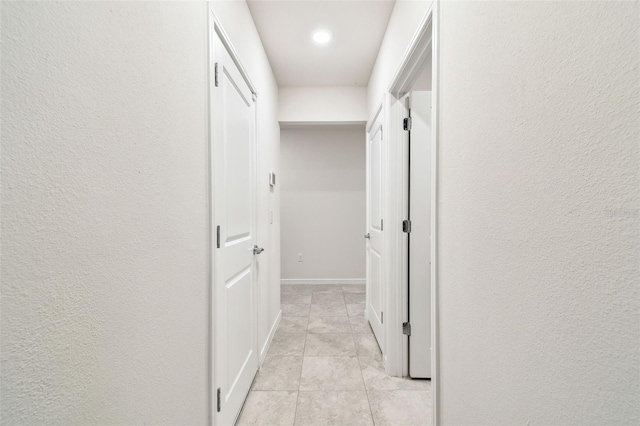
(423, 45)
(420, 235)
(233, 161)
(375, 227)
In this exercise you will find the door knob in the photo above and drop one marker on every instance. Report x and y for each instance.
(257, 250)
(367, 236)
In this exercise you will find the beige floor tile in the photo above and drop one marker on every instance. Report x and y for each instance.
(295, 310)
(333, 408)
(402, 407)
(327, 287)
(296, 288)
(328, 310)
(327, 298)
(375, 378)
(279, 373)
(329, 345)
(331, 373)
(296, 298)
(353, 298)
(367, 346)
(296, 325)
(355, 309)
(360, 325)
(353, 288)
(329, 325)
(269, 408)
(287, 344)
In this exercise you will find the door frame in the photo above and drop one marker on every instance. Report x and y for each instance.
(423, 45)
(215, 28)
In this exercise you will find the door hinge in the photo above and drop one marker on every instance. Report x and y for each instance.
(218, 400)
(218, 236)
(381, 224)
(406, 328)
(381, 317)
(215, 73)
(406, 226)
(406, 124)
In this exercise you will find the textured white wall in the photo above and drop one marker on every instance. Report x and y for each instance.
(104, 209)
(238, 23)
(323, 202)
(104, 213)
(322, 104)
(403, 24)
(539, 196)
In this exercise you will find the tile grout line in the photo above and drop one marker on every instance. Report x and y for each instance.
(366, 391)
(304, 347)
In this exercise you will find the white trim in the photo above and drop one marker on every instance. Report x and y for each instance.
(306, 124)
(403, 184)
(212, 255)
(343, 281)
(272, 332)
(414, 57)
(373, 119)
(435, 132)
(210, 224)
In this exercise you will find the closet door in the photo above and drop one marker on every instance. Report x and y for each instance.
(233, 150)
(375, 227)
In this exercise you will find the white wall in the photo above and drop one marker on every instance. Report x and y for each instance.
(424, 79)
(323, 104)
(323, 202)
(539, 221)
(403, 24)
(238, 23)
(105, 286)
(104, 213)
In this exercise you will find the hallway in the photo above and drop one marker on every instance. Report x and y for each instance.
(324, 367)
(177, 177)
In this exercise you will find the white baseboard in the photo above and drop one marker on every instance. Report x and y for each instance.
(267, 343)
(343, 281)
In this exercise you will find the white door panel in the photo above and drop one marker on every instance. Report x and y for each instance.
(419, 238)
(375, 228)
(375, 144)
(375, 277)
(234, 211)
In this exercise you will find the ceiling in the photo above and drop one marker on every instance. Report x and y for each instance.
(286, 26)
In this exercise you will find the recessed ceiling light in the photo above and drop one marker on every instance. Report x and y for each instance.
(322, 36)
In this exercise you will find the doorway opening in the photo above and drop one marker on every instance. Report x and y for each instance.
(412, 102)
(323, 187)
(358, 314)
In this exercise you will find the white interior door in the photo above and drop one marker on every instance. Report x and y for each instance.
(234, 214)
(420, 235)
(375, 226)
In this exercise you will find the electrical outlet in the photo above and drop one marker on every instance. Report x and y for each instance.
(300, 257)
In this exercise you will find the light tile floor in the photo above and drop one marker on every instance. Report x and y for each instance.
(324, 367)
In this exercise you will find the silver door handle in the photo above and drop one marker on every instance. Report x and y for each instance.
(367, 236)
(257, 250)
